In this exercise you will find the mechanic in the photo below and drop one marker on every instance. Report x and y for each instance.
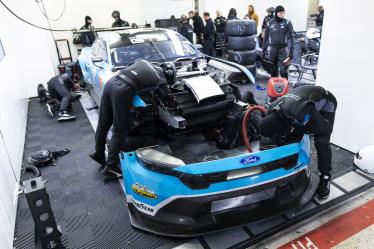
(220, 23)
(59, 87)
(118, 22)
(186, 29)
(275, 46)
(209, 31)
(267, 18)
(116, 102)
(319, 17)
(87, 38)
(309, 109)
(198, 26)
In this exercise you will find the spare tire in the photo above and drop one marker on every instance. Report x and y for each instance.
(240, 28)
(242, 43)
(243, 57)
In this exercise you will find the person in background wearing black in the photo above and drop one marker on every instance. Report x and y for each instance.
(232, 15)
(267, 18)
(275, 45)
(198, 26)
(115, 107)
(220, 23)
(209, 32)
(118, 22)
(59, 87)
(186, 29)
(308, 110)
(319, 17)
(87, 38)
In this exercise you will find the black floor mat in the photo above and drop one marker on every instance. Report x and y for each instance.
(92, 213)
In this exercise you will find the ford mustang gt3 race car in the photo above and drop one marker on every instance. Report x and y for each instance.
(186, 170)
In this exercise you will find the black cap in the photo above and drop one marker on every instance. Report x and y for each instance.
(87, 18)
(271, 9)
(279, 8)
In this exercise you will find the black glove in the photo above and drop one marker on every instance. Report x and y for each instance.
(290, 55)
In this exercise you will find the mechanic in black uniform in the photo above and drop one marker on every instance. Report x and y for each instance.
(87, 38)
(59, 87)
(319, 17)
(275, 46)
(116, 102)
(267, 18)
(220, 23)
(309, 109)
(186, 29)
(209, 32)
(118, 22)
(198, 26)
(232, 15)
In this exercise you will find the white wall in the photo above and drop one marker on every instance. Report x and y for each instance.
(345, 68)
(296, 10)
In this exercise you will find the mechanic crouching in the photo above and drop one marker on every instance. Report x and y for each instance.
(59, 87)
(116, 102)
(309, 109)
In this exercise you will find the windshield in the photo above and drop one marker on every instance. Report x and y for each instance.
(152, 46)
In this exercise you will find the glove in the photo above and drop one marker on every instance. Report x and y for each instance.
(290, 55)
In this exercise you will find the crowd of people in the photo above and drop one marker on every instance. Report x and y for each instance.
(275, 40)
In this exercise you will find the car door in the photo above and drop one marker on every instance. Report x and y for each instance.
(101, 70)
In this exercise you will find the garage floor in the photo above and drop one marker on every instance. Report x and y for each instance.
(93, 213)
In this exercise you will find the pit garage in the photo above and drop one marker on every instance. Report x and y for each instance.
(185, 124)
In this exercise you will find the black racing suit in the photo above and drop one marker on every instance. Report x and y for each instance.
(209, 31)
(220, 23)
(60, 90)
(309, 109)
(198, 28)
(116, 102)
(266, 21)
(319, 17)
(278, 35)
(187, 31)
(120, 23)
(87, 38)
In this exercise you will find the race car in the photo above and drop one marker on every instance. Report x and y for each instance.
(187, 169)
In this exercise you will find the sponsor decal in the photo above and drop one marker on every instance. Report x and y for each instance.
(142, 206)
(143, 191)
(250, 159)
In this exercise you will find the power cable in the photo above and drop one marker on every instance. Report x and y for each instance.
(45, 13)
(34, 25)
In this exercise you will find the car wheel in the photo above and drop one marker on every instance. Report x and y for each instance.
(242, 42)
(243, 57)
(240, 28)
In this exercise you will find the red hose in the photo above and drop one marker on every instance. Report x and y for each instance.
(245, 121)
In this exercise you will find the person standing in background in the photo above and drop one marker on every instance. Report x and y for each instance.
(267, 18)
(209, 31)
(232, 15)
(87, 38)
(220, 23)
(319, 17)
(118, 22)
(252, 14)
(198, 26)
(186, 29)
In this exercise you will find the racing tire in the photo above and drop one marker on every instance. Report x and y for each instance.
(243, 57)
(242, 42)
(240, 28)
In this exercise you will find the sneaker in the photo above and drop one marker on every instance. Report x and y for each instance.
(111, 171)
(323, 189)
(100, 159)
(64, 116)
(49, 110)
(262, 72)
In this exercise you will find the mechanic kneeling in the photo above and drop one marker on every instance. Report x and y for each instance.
(59, 87)
(309, 109)
(116, 102)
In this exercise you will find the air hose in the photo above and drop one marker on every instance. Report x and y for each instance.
(245, 121)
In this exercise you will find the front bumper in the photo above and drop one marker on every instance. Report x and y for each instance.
(191, 216)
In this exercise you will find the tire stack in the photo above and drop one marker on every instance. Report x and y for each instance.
(241, 37)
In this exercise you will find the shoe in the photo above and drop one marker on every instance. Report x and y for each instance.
(49, 110)
(262, 72)
(64, 116)
(323, 189)
(100, 159)
(111, 171)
